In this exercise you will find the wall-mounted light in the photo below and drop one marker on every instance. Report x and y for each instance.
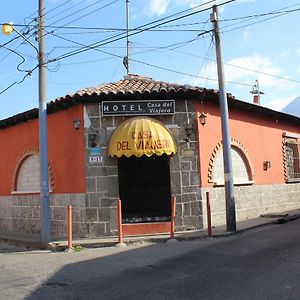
(77, 123)
(267, 165)
(188, 132)
(93, 139)
(202, 118)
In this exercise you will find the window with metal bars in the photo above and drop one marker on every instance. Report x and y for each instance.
(292, 158)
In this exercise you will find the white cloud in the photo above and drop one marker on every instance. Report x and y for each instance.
(190, 3)
(280, 103)
(157, 7)
(298, 51)
(246, 34)
(238, 70)
(266, 68)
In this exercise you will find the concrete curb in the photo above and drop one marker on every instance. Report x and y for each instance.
(35, 243)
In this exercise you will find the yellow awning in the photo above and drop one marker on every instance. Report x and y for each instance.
(141, 136)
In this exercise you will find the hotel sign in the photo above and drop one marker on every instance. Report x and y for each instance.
(144, 107)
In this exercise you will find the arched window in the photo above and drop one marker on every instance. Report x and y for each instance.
(241, 169)
(28, 179)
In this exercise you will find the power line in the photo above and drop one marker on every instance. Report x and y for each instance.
(240, 67)
(154, 66)
(277, 14)
(261, 15)
(139, 30)
(87, 14)
(19, 82)
(184, 73)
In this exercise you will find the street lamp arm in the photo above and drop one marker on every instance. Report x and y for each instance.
(26, 39)
(8, 28)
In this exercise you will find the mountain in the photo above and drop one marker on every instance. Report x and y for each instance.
(293, 108)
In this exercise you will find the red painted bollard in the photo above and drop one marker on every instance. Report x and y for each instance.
(70, 227)
(120, 229)
(173, 213)
(208, 213)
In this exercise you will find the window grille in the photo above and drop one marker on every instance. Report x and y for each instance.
(292, 159)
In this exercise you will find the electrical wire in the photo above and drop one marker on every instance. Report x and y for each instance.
(138, 30)
(184, 73)
(87, 14)
(159, 67)
(22, 58)
(240, 67)
(277, 13)
(19, 82)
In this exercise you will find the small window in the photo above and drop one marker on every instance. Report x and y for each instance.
(240, 167)
(292, 158)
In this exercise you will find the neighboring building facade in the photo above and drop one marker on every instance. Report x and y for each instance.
(141, 141)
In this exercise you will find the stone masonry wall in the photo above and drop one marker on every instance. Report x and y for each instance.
(21, 214)
(252, 201)
(185, 178)
(102, 177)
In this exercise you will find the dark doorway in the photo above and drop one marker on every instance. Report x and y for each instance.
(145, 189)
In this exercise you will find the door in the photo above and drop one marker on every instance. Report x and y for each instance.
(144, 187)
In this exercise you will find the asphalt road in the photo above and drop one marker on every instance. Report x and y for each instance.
(259, 264)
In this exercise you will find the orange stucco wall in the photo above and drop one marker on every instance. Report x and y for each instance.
(261, 136)
(66, 151)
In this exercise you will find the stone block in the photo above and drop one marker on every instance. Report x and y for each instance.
(79, 215)
(179, 223)
(176, 183)
(107, 202)
(185, 166)
(93, 109)
(196, 208)
(96, 229)
(59, 228)
(112, 171)
(107, 122)
(95, 122)
(195, 178)
(178, 198)
(95, 171)
(189, 197)
(192, 190)
(91, 184)
(104, 214)
(192, 222)
(174, 164)
(59, 213)
(185, 179)
(91, 214)
(113, 186)
(102, 185)
(187, 209)
(94, 200)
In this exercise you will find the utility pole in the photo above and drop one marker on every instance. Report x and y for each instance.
(228, 174)
(126, 58)
(7, 29)
(43, 136)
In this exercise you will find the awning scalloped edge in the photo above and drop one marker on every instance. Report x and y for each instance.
(139, 136)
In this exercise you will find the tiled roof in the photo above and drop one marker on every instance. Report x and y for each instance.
(133, 84)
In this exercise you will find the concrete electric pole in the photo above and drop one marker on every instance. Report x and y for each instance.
(7, 29)
(228, 174)
(43, 136)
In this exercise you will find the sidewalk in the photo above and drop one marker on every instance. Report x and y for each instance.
(33, 241)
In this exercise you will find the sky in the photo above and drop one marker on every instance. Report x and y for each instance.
(86, 43)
